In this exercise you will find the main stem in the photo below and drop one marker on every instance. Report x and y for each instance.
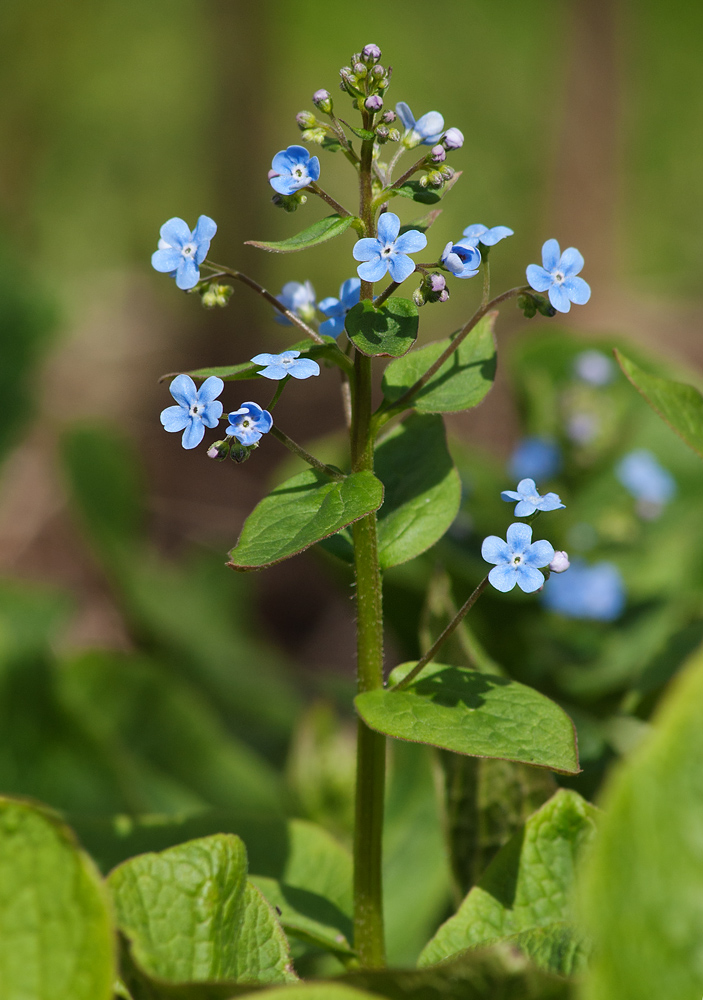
(371, 746)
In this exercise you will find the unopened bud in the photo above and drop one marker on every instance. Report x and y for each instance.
(322, 100)
(371, 53)
(378, 72)
(317, 135)
(373, 103)
(419, 297)
(438, 154)
(453, 139)
(437, 282)
(394, 135)
(359, 70)
(214, 295)
(389, 116)
(306, 119)
(382, 133)
(434, 178)
(219, 449)
(560, 563)
(443, 295)
(447, 172)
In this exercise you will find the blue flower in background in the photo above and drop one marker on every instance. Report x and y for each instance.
(337, 309)
(594, 367)
(287, 363)
(462, 259)
(558, 277)
(248, 423)
(388, 252)
(181, 251)
(196, 410)
(293, 169)
(298, 298)
(517, 561)
(535, 458)
(642, 475)
(595, 592)
(529, 500)
(482, 234)
(426, 130)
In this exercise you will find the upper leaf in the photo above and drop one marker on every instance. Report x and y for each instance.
(473, 713)
(318, 232)
(300, 512)
(389, 331)
(680, 405)
(462, 381)
(425, 195)
(56, 938)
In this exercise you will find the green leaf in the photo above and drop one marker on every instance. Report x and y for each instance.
(526, 893)
(56, 939)
(644, 882)
(361, 133)
(462, 381)
(425, 195)
(307, 916)
(300, 512)
(318, 232)
(329, 351)
(475, 714)
(190, 914)
(314, 991)
(423, 224)
(386, 332)
(681, 406)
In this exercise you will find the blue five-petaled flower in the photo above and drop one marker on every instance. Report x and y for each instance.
(181, 251)
(482, 234)
(196, 410)
(293, 169)
(287, 363)
(298, 297)
(558, 277)
(248, 423)
(529, 499)
(337, 309)
(426, 130)
(517, 561)
(462, 259)
(389, 252)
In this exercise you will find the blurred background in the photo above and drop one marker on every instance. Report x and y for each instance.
(138, 676)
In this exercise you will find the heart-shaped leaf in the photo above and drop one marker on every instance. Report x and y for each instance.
(461, 383)
(300, 512)
(318, 232)
(389, 331)
(473, 713)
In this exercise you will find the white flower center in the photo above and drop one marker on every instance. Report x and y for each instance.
(287, 361)
(188, 250)
(387, 251)
(558, 277)
(298, 172)
(195, 410)
(517, 560)
(246, 423)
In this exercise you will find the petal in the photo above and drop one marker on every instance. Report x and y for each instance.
(366, 249)
(527, 486)
(550, 255)
(519, 537)
(411, 242)
(468, 253)
(184, 391)
(274, 372)
(539, 553)
(510, 496)
(467, 272)
(175, 232)
(495, 235)
(550, 501)
(529, 579)
(571, 262)
(289, 355)
(283, 184)
(187, 275)
(475, 231)
(282, 162)
(331, 306)
(212, 413)
(193, 434)
(298, 154)
(174, 418)
(332, 327)
(350, 292)
(210, 389)
(400, 266)
(314, 168)
(578, 290)
(166, 261)
(374, 270)
(430, 126)
(504, 578)
(494, 550)
(538, 278)
(559, 297)
(304, 368)
(264, 359)
(205, 229)
(524, 508)
(405, 114)
(388, 228)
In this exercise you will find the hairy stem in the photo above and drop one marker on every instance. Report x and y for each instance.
(291, 445)
(321, 193)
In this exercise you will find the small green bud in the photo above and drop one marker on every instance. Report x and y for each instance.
(322, 100)
(419, 297)
(434, 178)
(359, 70)
(447, 172)
(382, 133)
(219, 449)
(289, 202)
(240, 452)
(214, 295)
(528, 305)
(393, 135)
(306, 119)
(317, 135)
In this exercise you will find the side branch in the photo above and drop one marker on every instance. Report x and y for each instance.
(321, 193)
(291, 445)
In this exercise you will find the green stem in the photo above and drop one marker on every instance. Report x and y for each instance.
(321, 193)
(486, 281)
(293, 446)
(386, 293)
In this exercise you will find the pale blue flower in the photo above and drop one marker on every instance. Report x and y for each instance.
(558, 277)
(287, 363)
(529, 499)
(248, 423)
(337, 309)
(642, 475)
(594, 367)
(535, 458)
(196, 410)
(478, 233)
(517, 560)
(426, 130)
(388, 252)
(181, 251)
(462, 259)
(298, 298)
(293, 169)
(592, 592)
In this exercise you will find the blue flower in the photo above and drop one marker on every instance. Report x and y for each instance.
(536, 458)
(517, 560)
(388, 252)
(248, 423)
(196, 410)
(426, 130)
(298, 298)
(181, 252)
(337, 309)
(482, 234)
(530, 500)
(594, 592)
(462, 259)
(287, 363)
(558, 276)
(642, 475)
(293, 169)
(594, 367)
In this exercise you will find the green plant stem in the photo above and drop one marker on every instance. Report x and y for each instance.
(321, 193)
(291, 445)
(371, 748)
(279, 392)
(441, 639)
(386, 293)
(486, 281)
